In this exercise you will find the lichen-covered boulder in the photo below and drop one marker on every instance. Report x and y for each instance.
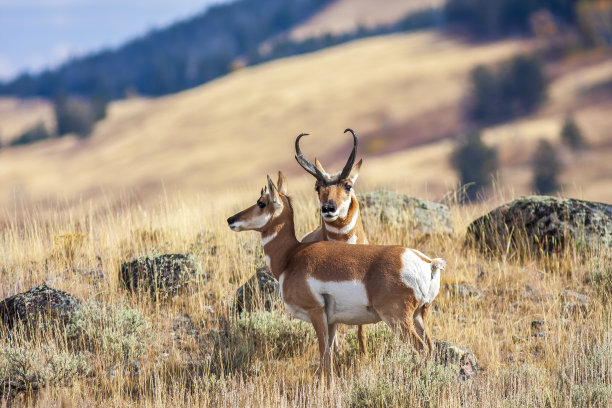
(451, 355)
(162, 275)
(422, 216)
(260, 291)
(39, 304)
(540, 225)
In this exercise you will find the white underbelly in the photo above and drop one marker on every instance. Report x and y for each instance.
(298, 313)
(345, 302)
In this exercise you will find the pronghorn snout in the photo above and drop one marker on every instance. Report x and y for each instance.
(329, 207)
(231, 221)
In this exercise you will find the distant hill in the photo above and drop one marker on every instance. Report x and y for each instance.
(184, 55)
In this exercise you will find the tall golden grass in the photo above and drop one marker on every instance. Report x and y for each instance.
(198, 353)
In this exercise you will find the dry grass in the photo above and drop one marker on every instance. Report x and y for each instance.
(197, 354)
(347, 15)
(17, 116)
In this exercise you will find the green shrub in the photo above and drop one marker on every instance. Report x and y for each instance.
(586, 377)
(29, 367)
(546, 168)
(378, 337)
(475, 163)
(602, 282)
(74, 116)
(404, 380)
(260, 334)
(34, 134)
(516, 88)
(276, 333)
(113, 330)
(571, 134)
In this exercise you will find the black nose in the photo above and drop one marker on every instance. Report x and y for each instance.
(231, 220)
(328, 207)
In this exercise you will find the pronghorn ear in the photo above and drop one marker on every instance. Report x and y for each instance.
(273, 192)
(319, 166)
(282, 183)
(355, 171)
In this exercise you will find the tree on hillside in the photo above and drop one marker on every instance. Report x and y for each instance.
(491, 18)
(475, 163)
(34, 134)
(516, 88)
(546, 168)
(524, 84)
(571, 134)
(75, 116)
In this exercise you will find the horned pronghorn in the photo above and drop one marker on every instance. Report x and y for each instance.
(340, 218)
(327, 283)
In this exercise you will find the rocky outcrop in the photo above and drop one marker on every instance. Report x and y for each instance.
(260, 291)
(539, 225)
(451, 355)
(426, 217)
(41, 303)
(162, 275)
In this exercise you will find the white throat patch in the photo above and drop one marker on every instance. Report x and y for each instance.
(268, 238)
(346, 229)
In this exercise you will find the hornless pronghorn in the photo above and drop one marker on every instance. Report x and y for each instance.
(340, 218)
(327, 283)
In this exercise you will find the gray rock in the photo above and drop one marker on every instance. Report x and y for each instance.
(463, 291)
(418, 215)
(162, 275)
(579, 297)
(41, 303)
(463, 360)
(261, 290)
(574, 303)
(541, 225)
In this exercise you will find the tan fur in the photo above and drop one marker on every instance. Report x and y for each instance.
(338, 193)
(378, 268)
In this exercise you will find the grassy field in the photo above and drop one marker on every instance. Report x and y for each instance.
(192, 351)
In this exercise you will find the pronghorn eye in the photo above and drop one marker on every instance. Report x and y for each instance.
(348, 187)
(261, 204)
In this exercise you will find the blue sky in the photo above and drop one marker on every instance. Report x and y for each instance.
(35, 34)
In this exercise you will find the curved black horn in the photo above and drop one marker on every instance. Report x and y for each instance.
(308, 166)
(349, 164)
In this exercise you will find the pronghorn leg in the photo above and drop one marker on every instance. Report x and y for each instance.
(399, 317)
(424, 314)
(361, 336)
(319, 321)
(421, 327)
(331, 336)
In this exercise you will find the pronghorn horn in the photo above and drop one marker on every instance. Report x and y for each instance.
(308, 166)
(349, 164)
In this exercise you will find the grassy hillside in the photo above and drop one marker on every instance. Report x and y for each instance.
(342, 16)
(396, 91)
(225, 134)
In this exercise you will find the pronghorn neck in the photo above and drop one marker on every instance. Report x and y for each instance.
(348, 228)
(278, 241)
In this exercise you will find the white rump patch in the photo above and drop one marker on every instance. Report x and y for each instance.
(420, 277)
(345, 302)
